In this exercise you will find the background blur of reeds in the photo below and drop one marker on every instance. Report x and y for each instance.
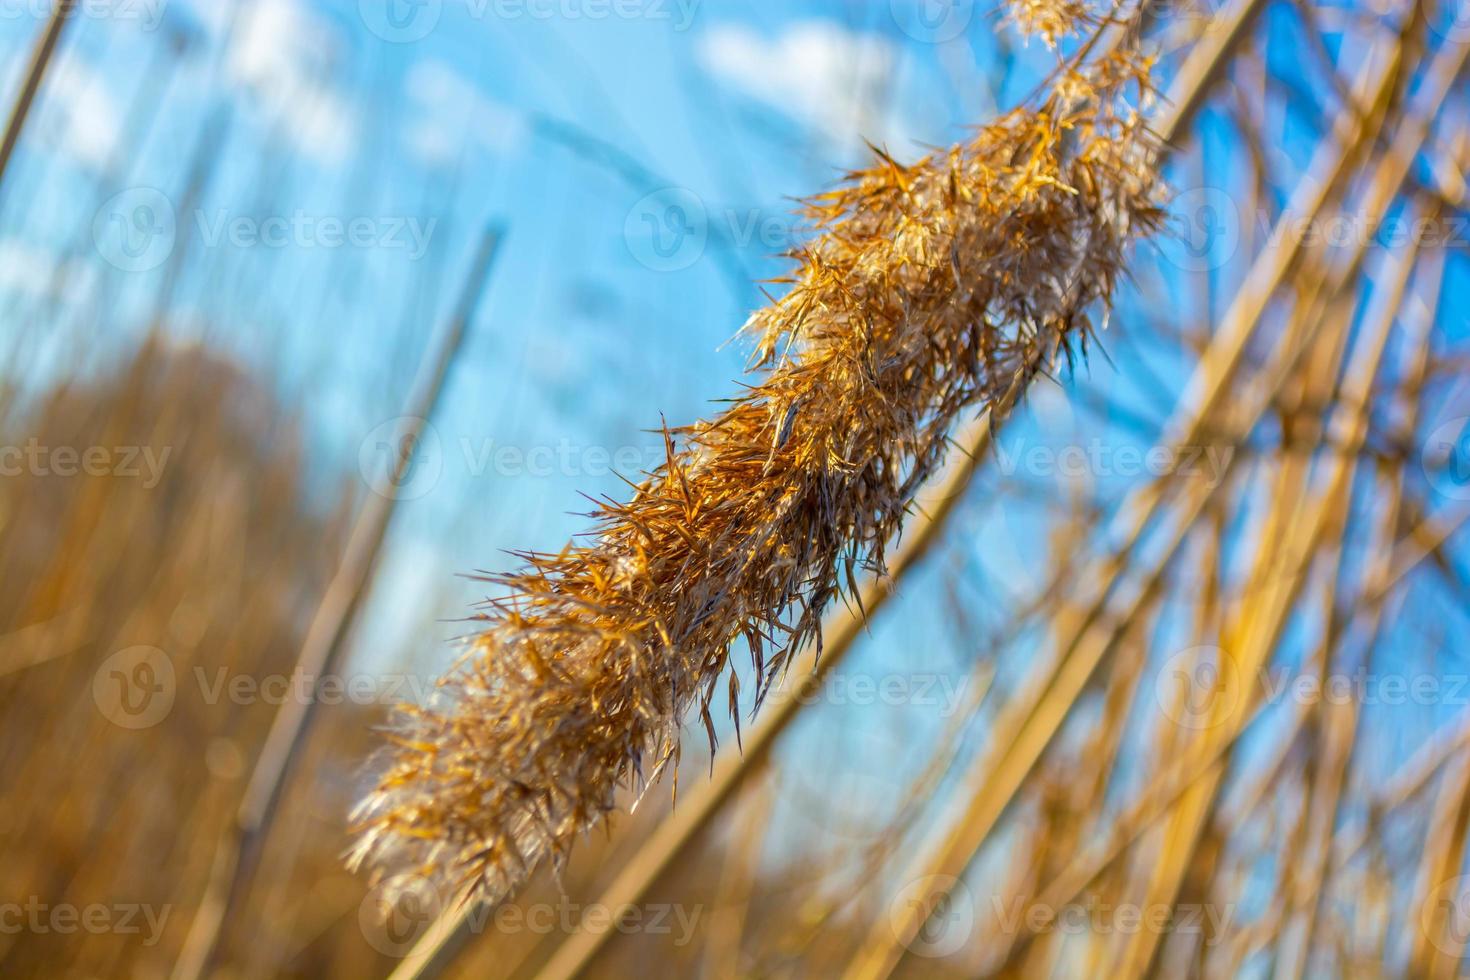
(1179, 686)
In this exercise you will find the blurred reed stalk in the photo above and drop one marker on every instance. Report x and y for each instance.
(998, 775)
(325, 642)
(31, 80)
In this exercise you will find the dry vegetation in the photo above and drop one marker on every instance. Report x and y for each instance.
(928, 290)
(201, 548)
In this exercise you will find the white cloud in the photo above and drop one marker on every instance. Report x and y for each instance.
(284, 56)
(79, 116)
(24, 268)
(816, 72)
(30, 271)
(450, 111)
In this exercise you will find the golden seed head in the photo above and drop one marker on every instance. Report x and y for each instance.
(928, 290)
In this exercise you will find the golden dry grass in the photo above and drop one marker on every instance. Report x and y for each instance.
(207, 555)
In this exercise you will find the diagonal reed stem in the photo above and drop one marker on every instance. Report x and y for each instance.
(35, 73)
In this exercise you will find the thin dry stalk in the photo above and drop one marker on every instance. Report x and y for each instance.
(31, 81)
(1256, 634)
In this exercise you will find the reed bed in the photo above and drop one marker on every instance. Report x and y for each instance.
(194, 550)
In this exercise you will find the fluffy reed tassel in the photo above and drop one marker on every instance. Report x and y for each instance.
(927, 291)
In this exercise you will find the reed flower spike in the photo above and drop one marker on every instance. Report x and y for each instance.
(926, 291)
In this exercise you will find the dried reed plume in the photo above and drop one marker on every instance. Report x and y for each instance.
(927, 291)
